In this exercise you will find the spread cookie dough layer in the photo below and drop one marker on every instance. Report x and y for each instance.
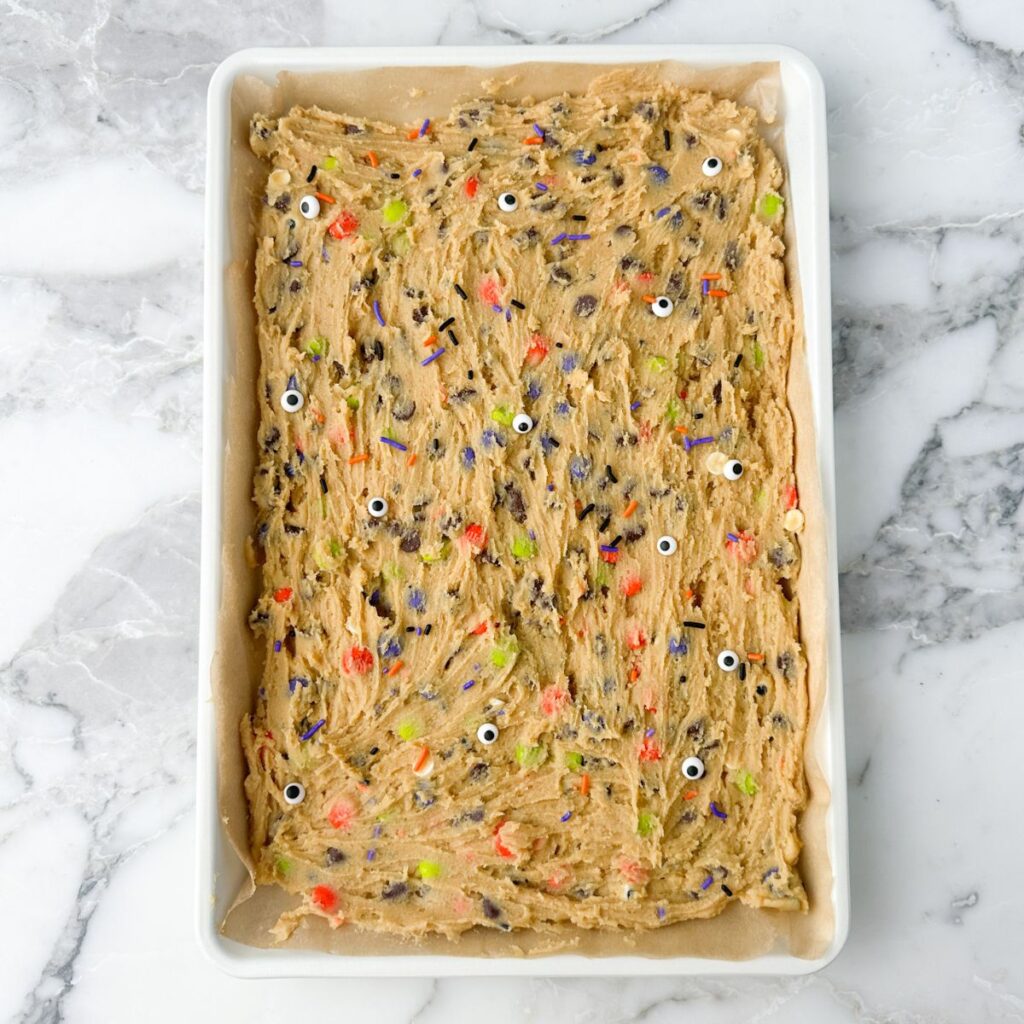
(526, 517)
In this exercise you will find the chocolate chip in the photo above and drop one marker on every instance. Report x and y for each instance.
(410, 542)
(586, 305)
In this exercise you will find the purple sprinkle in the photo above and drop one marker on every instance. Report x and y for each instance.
(532, 534)
(310, 732)
(394, 444)
(508, 315)
(569, 362)
(324, 255)
(371, 854)
(661, 213)
(676, 646)
(424, 127)
(769, 873)
(419, 631)
(633, 406)
(496, 307)
(300, 456)
(377, 829)
(468, 457)
(417, 173)
(538, 130)
(469, 684)
(277, 646)
(551, 487)
(707, 882)
(432, 357)
(295, 263)
(533, 390)
(689, 442)
(562, 408)
(297, 681)
(316, 359)
(705, 286)
(540, 186)
(566, 816)
(417, 599)
(583, 157)
(649, 732)
(733, 538)
(558, 238)
(580, 467)
(717, 811)
(659, 174)
(608, 548)
(577, 238)
(377, 313)
(661, 912)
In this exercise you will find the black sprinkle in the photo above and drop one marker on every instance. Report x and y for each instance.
(469, 374)
(761, 690)
(395, 175)
(578, 216)
(554, 441)
(472, 144)
(378, 350)
(323, 485)
(311, 175)
(695, 625)
(429, 626)
(518, 304)
(611, 475)
(698, 415)
(668, 139)
(447, 324)
(743, 672)
(374, 750)
(455, 341)
(585, 511)
(738, 360)
(410, 629)
(605, 523)
(616, 539)
(460, 292)
(726, 889)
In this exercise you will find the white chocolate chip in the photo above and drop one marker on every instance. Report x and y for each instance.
(279, 179)
(793, 521)
(715, 462)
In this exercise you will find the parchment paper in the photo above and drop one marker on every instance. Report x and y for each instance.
(406, 95)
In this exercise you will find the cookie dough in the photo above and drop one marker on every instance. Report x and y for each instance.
(525, 496)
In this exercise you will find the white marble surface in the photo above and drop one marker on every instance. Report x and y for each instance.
(101, 179)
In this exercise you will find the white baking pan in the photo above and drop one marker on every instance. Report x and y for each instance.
(219, 871)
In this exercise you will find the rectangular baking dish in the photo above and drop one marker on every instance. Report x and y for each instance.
(219, 871)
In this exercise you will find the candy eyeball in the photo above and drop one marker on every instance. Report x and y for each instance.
(292, 400)
(487, 733)
(662, 306)
(522, 424)
(711, 166)
(309, 207)
(507, 202)
(377, 507)
(728, 661)
(693, 768)
(733, 469)
(667, 545)
(294, 793)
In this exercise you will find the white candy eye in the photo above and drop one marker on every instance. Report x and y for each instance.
(711, 166)
(693, 768)
(522, 424)
(728, 661)
(309, 207)
(662, 306)
(733, 469)
(487, 733)
(507, 202)
(377, 507)
(667, 545)
(292, 400)
(294, 793)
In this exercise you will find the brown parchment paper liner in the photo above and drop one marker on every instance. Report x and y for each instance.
(408, 95)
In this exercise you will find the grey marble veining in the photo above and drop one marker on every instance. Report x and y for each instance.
(102, 120)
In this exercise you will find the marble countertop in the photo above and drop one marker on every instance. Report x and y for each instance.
(102, 114)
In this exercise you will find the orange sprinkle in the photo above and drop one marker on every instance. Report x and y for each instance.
(479, 630)
(648, 298)
(711, 277)
(358, 458)
(634, 673)
(319, 416)
(372, 157)
(396, 668)
(532, 140)
(611, 557)
(584, 785)
(422, 760)
(718, 293)
(689, 593)
(630, 509)
(682, 430)
(754, 657)
(326, 199)
(432, 340)
(412, 460)
(690, 794)
(414, 134)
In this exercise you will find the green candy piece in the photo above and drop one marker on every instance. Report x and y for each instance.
(408, 730)
(602, 577)
(335, 547)
(283, 866)
(573, 760)
(531, 757)
(427, 869)
(400, 244)
(758, 356)
(657, 364)
(352, 402)
(771, 204)
(329, 163)
(523, 547)
(645, 823)
(746, 783)
(394, 211)
(502, 414)
(502, 652)
(392, 571)
(672, 411)
(317, 346)
(439, 555)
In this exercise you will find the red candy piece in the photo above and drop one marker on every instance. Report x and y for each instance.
(631, 585)
(636, 639)
(553, 698)
(358, 660)
(341, 815)
(649, 750)
(475, 536)
(538, 350)
(790, 497)
(609, 556)
(324, 898)
(343, 226)
(471, 184)
(490, 291)
(282, 594)
(500, 848)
